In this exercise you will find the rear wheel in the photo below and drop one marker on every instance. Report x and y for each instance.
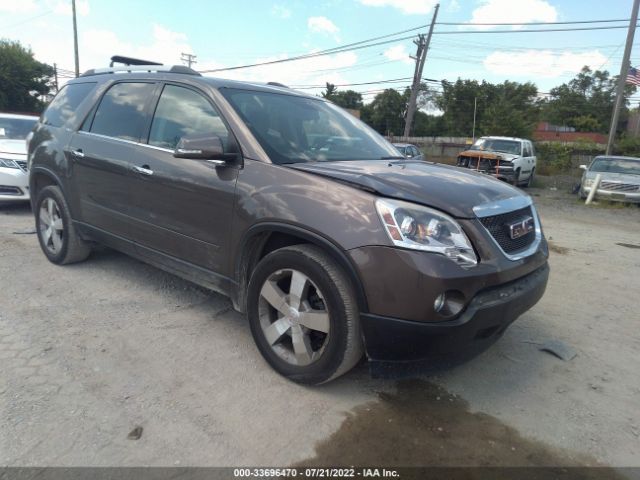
(303, 315)
(57, 235)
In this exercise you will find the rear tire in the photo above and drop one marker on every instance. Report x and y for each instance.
(303, 315)
(57, 235)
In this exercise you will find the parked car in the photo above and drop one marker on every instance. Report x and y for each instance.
(14, 181)
(409, 151)
(506, 158)
(620, 179)
(331, 251)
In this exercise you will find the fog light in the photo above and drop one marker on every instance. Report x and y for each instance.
(439, 303)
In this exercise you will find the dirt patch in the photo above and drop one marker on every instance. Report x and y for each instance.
(628, 245)
(423, 424)
(557, 248)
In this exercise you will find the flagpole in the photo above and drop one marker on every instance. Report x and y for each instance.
(622, 79)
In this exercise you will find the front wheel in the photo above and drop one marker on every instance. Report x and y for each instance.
(303, 315)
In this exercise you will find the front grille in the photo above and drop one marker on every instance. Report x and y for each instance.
(498, 227)
(22, 164)
(619, 187)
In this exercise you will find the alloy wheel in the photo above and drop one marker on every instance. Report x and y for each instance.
(293, 317)
(51, 225)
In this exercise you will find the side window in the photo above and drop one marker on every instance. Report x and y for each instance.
(66, 102)
(533, 150)
(526, 150)
(181, 112)
(416, 152)
(121, 112)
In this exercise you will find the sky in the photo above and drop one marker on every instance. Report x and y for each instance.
(228, 33)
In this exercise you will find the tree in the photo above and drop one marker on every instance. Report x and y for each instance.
(22, 78)
(386, 112)
(591, 94)
(347, 99)
(331, 89)
(508, 108)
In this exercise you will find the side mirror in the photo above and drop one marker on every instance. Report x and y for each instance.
(203, 147)
(583, 167)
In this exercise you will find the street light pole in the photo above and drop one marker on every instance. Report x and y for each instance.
(624, 71)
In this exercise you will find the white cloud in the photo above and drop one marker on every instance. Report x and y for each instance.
(454, 6)
(322, 25)
(408, 7)
(397, 52)
(510, 11)
(541, 63)
(18, 6)
(280, 11)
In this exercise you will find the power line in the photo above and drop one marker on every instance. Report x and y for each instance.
(27, 20)
(538, 30)
(330, 51)
(537, 23)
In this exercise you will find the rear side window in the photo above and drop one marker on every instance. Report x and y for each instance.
(121, 113)
(180, 112)
(527, 149)
(66, 102)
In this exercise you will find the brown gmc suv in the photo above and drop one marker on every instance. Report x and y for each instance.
(333, 244)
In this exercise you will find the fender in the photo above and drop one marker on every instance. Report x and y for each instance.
(47, 173)
(249, 252)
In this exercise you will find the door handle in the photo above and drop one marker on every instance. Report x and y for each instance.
(78, 153)
(144, 170)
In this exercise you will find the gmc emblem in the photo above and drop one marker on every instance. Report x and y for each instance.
(521, 228)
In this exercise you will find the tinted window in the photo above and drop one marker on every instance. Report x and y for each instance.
(121, 111)
(66, 102)
(181, 112)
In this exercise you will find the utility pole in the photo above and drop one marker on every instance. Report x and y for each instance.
(622, 79)
(421, 57)
(475, 108)
(75, 37)
(188, 58)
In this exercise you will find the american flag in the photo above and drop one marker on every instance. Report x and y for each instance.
(633, 77)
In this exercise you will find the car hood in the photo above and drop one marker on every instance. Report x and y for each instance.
(13, 147)
(508, 157)
(450, 189)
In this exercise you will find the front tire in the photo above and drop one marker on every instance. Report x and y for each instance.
(303, 315)
(57, 235)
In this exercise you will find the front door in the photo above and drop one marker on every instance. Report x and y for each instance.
(183, 208)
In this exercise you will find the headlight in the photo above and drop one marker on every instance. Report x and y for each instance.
(421, 228)
(588, 182)
(7, 163)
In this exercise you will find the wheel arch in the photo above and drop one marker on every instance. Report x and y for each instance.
(263, 238)
(39, 179)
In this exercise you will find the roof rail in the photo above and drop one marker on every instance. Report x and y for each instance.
(142, 68)
(277, 84)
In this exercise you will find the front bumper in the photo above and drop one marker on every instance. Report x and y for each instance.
(502, 170)
(483, 321)
(614, 196)
(14, 185)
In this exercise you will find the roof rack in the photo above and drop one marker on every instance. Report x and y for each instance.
(137, 65)
(277, 84)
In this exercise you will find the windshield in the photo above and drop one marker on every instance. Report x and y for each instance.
(294, 129)
(497, 145)
(16, 128)
(616, 165)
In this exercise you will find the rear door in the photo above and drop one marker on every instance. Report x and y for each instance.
(102, 154)
(183, 208)
(527, 159)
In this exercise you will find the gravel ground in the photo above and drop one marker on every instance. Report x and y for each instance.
(90, 351)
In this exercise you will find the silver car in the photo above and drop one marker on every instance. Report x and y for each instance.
(620, 178)
(14, 180)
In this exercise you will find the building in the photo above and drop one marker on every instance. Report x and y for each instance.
(545, 132)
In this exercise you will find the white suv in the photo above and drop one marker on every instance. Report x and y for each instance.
(507, 158)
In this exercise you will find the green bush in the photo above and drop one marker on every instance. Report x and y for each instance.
(553, 158)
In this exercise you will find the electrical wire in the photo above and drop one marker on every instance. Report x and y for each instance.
(538, 23)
